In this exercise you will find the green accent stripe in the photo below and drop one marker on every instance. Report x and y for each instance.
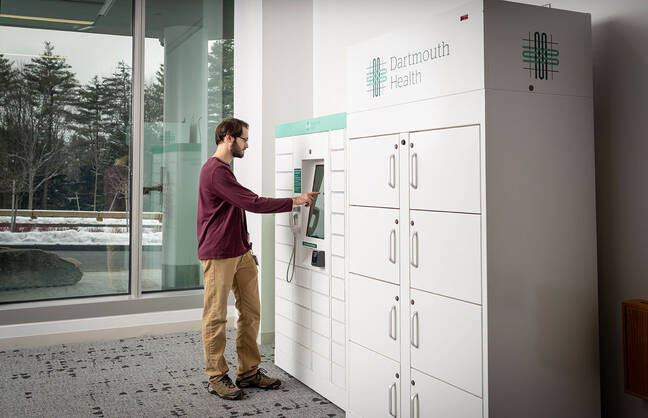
(309, 126)
(308, 244)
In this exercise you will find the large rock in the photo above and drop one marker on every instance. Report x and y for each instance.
(27, 268)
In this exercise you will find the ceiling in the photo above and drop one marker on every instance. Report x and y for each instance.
(115, 16)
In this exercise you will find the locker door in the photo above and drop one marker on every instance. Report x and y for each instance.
(374, 390)
(373, 171)
(444, 170)
(430, 397)
(446, 340)
(445, 256)
(374, 315)
(373, 242)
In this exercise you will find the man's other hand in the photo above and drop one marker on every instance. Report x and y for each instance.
(306, 199)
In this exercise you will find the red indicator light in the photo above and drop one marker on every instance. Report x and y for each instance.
(462, 18)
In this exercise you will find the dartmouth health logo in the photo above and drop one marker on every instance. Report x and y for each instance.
(540, 56)
(376, 77)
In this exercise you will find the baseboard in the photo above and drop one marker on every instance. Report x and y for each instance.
(106, 334)
(42, 334)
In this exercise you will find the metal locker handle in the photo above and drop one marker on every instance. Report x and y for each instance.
(391, 172)
(392, 323)
(414, 330)
(414, 171)
(414, 258)
(392, 390)
(414, 406)
(392, 234)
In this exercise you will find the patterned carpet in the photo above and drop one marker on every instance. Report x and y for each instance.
(152, 376)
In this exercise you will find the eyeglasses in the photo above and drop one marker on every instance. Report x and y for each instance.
(245, 140)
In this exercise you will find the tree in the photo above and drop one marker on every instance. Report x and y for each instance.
(8, 79)
(92, 137)
(117, 88)
(154, 98)
(220, 82)
(50, 90)
(154, 109)
(8, 76)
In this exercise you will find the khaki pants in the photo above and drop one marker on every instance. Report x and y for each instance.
(240, 275)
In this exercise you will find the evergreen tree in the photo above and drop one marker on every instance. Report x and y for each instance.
(8, 79)
(50, 89)
(154, 110)
(117, 88)
(154, 98)
(92, 134)
(220, 82)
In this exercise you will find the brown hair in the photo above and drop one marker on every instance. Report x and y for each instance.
(230, 126)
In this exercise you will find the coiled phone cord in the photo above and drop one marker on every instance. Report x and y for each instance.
(292, 259)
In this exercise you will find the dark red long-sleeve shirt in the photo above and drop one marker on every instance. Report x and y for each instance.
(222, 202)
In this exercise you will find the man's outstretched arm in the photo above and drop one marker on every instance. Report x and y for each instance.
(225, 186)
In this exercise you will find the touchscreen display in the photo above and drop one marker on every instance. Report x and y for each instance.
(315, 227)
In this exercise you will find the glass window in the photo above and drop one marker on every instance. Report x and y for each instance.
(65, 106)
(189, 68)
(65, 146)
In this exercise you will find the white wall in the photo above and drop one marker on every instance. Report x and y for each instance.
(272, 85)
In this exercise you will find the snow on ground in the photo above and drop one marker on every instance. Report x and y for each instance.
(75, 221)
(76, 235)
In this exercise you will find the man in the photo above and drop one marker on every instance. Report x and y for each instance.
(224, 251)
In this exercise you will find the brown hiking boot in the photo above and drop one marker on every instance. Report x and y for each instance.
(259, 380)
(225, 389)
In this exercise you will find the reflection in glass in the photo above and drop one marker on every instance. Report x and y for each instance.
(190, 52)
(65, 100)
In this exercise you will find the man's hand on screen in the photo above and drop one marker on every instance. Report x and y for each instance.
(306, 199)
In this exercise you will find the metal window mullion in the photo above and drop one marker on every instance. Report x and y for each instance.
(137, 139)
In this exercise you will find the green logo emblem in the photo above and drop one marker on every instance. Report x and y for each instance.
(540, 56)
(376, 77)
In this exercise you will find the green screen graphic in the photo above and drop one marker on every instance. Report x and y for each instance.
(297, 180)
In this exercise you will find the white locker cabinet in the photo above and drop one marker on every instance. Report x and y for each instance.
(373, 242)
(374, 383)
(446, 340)
(444, 170)
(445, 256)
(373, 171)
(373, 320)
(431, 397)
(474, 131)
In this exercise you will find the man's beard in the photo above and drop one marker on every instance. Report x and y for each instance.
(237, 152)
